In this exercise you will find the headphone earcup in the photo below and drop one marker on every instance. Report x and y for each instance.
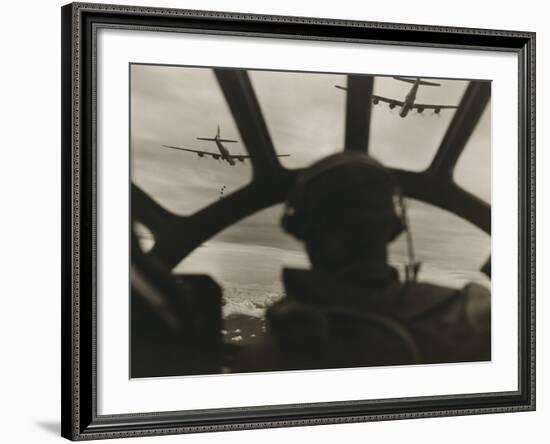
(291, 222)
(292, 217)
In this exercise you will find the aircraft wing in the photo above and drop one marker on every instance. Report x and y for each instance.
(190, 150)
(428, 106)
(387, 100)
(413, 81)
(211, 139)
(242, 157)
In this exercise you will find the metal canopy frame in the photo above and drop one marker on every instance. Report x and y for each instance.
(176, 236)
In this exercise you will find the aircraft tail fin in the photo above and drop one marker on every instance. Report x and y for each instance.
(421, 82)
(217, 137)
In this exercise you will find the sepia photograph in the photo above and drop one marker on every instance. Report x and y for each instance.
(292, 221)
(276, 221)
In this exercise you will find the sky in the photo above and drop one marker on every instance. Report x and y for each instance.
(305, 116)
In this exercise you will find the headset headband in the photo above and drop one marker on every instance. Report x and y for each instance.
(336, 160)
(293, 218)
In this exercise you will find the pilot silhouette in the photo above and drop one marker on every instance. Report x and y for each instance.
(351, 309)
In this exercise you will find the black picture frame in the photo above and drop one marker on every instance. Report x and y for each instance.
(79, 395)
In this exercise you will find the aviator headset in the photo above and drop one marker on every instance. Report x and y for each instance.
(293, 220)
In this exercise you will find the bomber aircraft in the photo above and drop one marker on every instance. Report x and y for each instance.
(409, 102)
(223, 153)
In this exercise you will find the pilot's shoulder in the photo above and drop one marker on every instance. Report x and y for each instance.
(477, 308)
(471, 302)
(419, 298)
(472, 290)
(476, 291)
(422, 296)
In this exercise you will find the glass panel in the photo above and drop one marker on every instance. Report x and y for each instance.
(304, 113)
(173, 105)
(144, 236)
(473, 169)
(411, 142)
(246, 259)
(451, 250)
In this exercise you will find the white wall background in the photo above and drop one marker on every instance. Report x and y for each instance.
(30, 222)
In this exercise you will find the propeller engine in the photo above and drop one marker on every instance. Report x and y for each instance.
(437, 110)
(375, 101)
(393, 105)
(420, 110)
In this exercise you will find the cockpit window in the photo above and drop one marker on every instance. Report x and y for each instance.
(223, 150)
(411, 142)
(304, 112)
(171, 106)
(473, 169)
(451, 251)
(246, 260)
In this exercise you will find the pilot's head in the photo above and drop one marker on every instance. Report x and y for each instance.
(343, 208)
